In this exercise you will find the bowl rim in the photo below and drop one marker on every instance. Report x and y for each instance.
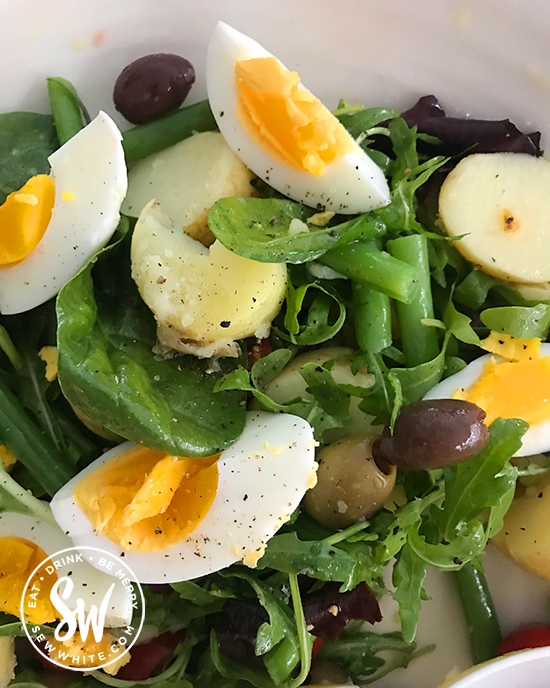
(501, 665)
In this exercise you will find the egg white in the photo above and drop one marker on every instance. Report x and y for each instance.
(350, 184)
(90, 584)
(537, 438)
(262, 479)
(90, 178)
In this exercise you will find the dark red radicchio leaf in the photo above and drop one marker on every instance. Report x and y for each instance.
(460, 135)
(328, 611)
(237, 627)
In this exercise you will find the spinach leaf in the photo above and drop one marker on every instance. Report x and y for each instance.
(26, 141)
(274, 230)
(107, 368)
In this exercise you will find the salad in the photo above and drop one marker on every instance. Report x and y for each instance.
(265, 457)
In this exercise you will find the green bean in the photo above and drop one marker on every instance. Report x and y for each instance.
(363, 261)
(419, 342)
(372, 317)
(146, 139)
(31, 447)
(481, 618)
(69, 113)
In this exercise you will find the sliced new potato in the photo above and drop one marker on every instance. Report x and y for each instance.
(533, 292)
(499, 204)
(289, 385)
(187, 179)
(203, 298)
(525, 537)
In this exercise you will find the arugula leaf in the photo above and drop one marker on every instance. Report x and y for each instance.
(408, 577)
(313, 558)
(483, 481)
(26, 141)
(108, 370)
(474, 289)
(359, 121)
(407, 174)
(326, 405)
(276, 639)
(366, 657)
(459, 325)
(325, 313)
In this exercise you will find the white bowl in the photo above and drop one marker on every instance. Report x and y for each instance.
(529, 668)
(484, 59)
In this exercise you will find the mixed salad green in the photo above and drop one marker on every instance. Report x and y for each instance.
(386, 284)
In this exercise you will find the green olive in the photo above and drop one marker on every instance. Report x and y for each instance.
(351, 486)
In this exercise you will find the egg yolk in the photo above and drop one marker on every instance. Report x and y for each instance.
(146, 500)
(516, 388)
(7, 457)
(285, 118)
(18, 559)
(24, 217)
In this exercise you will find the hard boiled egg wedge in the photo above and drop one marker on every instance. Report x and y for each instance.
(283, 133)
(25, 542)
(511, 382)
(174, 518)
(40, 252)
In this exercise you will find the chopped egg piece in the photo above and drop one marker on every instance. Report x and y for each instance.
(49, 355)
(7, 457)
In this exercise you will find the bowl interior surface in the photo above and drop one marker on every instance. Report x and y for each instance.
(485, 59)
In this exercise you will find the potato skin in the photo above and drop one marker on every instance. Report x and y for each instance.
(525, 537)
(350, 487)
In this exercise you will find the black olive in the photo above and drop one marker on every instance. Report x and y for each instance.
(152, 86)
(433, 434)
